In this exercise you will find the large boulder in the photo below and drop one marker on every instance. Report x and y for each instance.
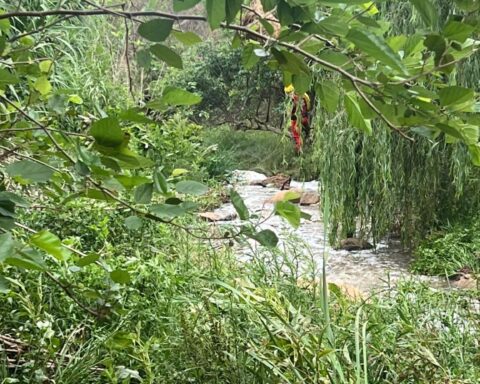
(354, 244)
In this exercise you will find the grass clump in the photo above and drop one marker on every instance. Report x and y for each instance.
(447, 251)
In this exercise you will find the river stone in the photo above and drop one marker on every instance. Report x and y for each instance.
(354, 244)
(309, 198)
(279, 181)
(218, 216)
(247, 177)
(463, 280)
(283, 196)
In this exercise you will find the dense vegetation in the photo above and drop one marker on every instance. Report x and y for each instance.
(116, 128)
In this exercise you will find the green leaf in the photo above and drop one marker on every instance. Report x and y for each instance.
(475, 154)
(4, 285)
(457, 98)
(75, 99)
(14, 198)
(239, 205)
(132, 181)
(168, 55)
(6, 78)
(183, 5)
(45, 66)
(329, 95)
(455, 30)
(144, 59)
(190, 187)
(29, 259)
(376, 47)
(156, 30)
(160, 182)
(177, 96)
(249, 58)
(267, 238)
(6, 246)
(51, 244)
(168, 211)
(29, 170)
(268, 5)
(355, 115)
(232, 9)
(290, 62)
(120, 276)
(42, 85)
(143, 193)
(187, 38)
(289, 211)
(134, 223)
(107, 132)
(427, 11)
(216, 12)
(301, 82)
(87, 260)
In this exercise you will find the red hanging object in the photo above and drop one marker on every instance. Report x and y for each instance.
(296, 133)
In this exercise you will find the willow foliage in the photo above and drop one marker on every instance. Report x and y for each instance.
(383, 184)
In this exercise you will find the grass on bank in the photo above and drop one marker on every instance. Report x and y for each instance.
(194, 313)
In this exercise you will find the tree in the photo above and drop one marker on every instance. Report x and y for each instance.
(405, 82)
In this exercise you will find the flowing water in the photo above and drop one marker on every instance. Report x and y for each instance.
(365, 270)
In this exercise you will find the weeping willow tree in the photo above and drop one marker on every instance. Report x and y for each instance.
(383, 184)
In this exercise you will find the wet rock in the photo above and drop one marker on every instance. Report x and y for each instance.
(292, 195)
(247, 177)
(218, 216)
(278, 181)
(354, 244)
(309, 198)
(310, 186)
(464, 279)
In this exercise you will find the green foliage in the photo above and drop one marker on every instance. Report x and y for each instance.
(446, 252)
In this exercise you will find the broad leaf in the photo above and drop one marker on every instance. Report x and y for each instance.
(160, 182)
(143, 193)
(107, 132)
(267, 238)
(50, 243)
(183, 5)
(329, 95)
(190, 187)
(239, 205)
(216, 12)
(120, 276)
(289, 211)
(457, 98)
(29, 170)
(187, 38)
(6, 246)
(427, 11)
(168, 55)
(355, 116)
(87, 260)
(133, 223)
(43, 86)
(168, 211)
(374, 45)
(156, 30)
(177, 96)
(29, 259)
(4, 285)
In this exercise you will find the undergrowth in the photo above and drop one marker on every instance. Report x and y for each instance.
(447, 251)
